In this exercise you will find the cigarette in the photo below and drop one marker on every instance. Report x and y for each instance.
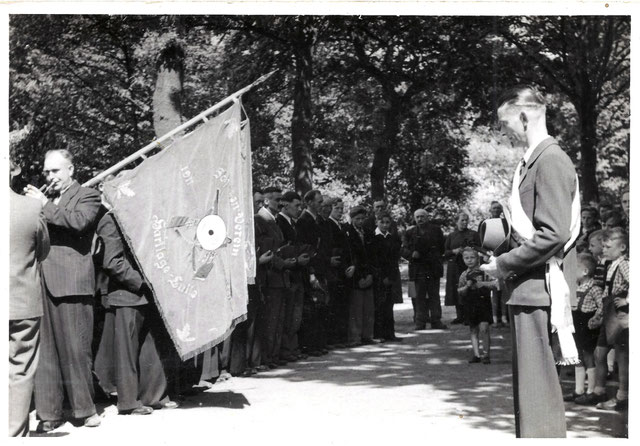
(46, 187)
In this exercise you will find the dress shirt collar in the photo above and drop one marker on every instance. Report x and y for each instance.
(335, 221)
(379, 232)
(535, 143)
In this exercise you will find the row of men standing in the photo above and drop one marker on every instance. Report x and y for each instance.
(320, 283)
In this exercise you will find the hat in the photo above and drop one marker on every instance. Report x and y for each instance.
(357, 210)
(495, 235)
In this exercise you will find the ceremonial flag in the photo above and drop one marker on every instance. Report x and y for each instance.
(186, 214)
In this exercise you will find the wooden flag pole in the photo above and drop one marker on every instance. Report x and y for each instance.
(157, 142)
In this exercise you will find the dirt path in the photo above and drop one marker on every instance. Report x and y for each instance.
(420, 389)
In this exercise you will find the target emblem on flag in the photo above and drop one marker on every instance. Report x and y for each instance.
(211, 232)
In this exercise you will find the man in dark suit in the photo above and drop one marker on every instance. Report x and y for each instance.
(338, 324)
(310, 233)
(245, 353)
(423, 247)
(271, 318)
(28, 246)
(546, 190)
(360, 273)
(67, 324)
(291, 208)
(140, 378)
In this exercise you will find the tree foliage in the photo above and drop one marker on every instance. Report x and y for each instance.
(359, 107)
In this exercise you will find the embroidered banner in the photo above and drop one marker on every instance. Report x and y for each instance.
(186, 214)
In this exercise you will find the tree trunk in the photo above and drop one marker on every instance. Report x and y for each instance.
(167, 97)
(588, 122)
(386, 148)
(301, 140)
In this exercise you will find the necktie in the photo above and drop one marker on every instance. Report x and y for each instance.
(523, 163)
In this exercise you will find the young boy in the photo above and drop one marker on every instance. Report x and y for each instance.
(386, 246)
(615, 302)
(475, 290)
(586, 323)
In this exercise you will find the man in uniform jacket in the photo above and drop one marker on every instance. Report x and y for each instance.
(69, 277)
(140, 378)
(423, 247)
(28, 246)
(546, 189)
(271, 319)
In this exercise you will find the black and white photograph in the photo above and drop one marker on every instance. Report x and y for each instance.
(315, 222)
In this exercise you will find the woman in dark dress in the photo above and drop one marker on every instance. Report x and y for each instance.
(461, 237)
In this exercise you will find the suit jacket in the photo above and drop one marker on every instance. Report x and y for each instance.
(361, 255)
(28, 246)
(547, 187)
(310, 233)
(271, 238)
(429, 242)
(261, 270)
(124, 287)
(291, 237)
(68, 270)
(339, 247)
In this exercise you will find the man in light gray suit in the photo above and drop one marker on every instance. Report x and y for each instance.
(69, 278)
(29, 245)
(545, 187)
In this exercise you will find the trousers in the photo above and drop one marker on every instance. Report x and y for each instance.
(361, 315)
(426, 304)
(140, 377)
(65, 358)
(537, 396)
(24, 348)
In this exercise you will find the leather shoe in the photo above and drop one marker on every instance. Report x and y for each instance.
(167, 405)
(92, 421)
(456, 321)
(49, 425)
(474, 360)
(612, 404)
(571, 396)
(438, 326)
(590, 399)
(142, 410)
(262, 368)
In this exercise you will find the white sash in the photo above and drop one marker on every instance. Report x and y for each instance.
(561, 319)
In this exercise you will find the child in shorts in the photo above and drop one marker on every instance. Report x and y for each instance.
(475, 289)
(615, 248)
(586, 324)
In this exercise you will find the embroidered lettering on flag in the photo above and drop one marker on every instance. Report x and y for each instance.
(186, 215)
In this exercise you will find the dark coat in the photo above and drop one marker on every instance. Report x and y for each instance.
(125, 283)
(271, 238)
(68, 270)
(361, 255)
(429, 242)
(310, 233)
